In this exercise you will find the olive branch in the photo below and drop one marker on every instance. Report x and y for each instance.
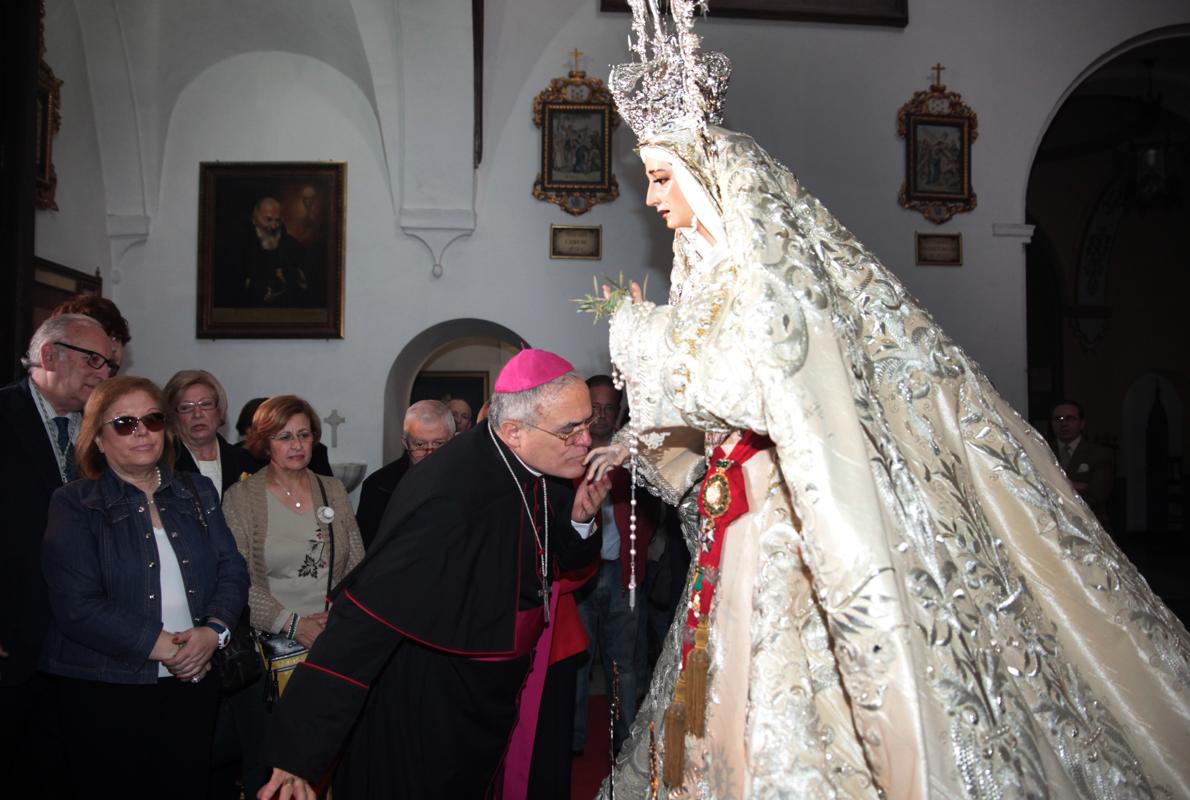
(598, 305)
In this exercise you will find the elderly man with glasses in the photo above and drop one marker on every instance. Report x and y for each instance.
(428, 425)
(415, 684)
(40, 417)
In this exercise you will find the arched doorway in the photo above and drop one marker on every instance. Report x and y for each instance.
(1109, 194)
(456, 343)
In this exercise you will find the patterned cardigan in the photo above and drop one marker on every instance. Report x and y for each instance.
(245, 506)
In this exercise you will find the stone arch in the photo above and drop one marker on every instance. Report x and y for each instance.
(415, 354)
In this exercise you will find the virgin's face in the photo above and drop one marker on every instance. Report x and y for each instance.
(291, 447)
(666, 197)
(140, 449)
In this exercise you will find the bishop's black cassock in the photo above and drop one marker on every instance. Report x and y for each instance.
(395, 688)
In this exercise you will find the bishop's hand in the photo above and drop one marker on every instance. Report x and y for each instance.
(588, 497)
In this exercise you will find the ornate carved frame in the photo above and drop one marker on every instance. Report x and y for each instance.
(575, 95)
(49, 121)
(937, 108)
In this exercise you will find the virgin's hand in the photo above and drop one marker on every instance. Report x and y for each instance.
(309, 628)
(195, 648)
(634, 292)
(285, 785)
(602, 460)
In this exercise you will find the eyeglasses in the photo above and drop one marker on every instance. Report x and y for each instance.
(206, 404)
(154, 422)
(570, 436)
(285, 437)
(94, 360)
(610, 409)
(1066, 418)
(417, 446)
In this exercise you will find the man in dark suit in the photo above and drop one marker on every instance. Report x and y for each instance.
(1090, 467)
(428, 425)
(40, 416)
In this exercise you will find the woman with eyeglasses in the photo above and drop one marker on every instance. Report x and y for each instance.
(283, 518)
(197, 409)
(144, 580)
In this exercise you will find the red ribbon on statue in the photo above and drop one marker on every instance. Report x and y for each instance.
(721, 500)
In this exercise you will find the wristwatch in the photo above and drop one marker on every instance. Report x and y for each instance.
(222, 632)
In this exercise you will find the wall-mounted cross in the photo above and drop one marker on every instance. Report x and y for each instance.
(937, 69)
(334, 421)
(577, 55)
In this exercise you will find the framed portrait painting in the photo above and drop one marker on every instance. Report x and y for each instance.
(271, 250)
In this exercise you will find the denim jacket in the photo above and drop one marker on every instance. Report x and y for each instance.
(101, 564)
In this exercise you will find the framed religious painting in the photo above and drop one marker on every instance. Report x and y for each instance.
(271, 250)
(576, 118)
(938, 128)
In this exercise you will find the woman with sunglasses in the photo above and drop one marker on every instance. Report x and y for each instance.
(295, 528)
(144, 579)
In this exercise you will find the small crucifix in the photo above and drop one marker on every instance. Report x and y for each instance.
(334, 421)
(937, 69)
(577, 55)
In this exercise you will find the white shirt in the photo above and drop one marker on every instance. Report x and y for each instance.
(175, 611)
(211, 469)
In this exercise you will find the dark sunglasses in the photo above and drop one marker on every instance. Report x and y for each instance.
(94, 360)
(124, 426)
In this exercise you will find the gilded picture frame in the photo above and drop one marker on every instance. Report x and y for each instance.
(576, 118)
(939, 129)
(271, 257)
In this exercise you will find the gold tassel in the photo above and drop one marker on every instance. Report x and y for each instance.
(698, 663)
(675, 736)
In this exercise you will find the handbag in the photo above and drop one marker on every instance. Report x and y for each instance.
(280, 654)
(238, 662)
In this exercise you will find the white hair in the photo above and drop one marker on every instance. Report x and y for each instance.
(428, 412)
(527, 406)
(53, 330)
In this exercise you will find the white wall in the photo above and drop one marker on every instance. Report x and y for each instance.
(76, 234)
(821, 98)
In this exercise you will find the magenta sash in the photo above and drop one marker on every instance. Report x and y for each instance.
(519, 756)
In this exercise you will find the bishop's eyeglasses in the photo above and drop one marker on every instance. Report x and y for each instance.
(570, 434)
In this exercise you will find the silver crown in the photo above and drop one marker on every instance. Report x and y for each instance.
(673, 85)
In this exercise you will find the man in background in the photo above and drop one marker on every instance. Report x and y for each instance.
(1090, 467)
(40, 416)
(428, 425)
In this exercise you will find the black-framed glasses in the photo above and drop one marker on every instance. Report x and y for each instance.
(154, 422)
(417, 445)
(94, 360)
(206, 404)
(571, 433)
